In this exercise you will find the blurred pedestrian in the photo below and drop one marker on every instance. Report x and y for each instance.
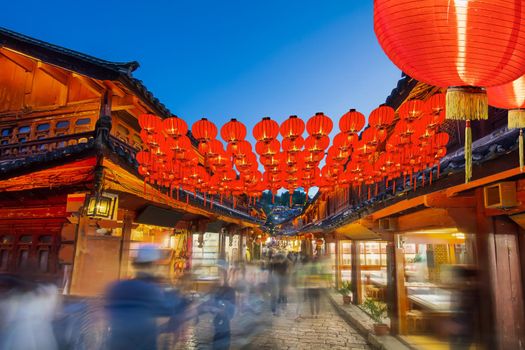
(465, 301)
(223, 308)
(27, 310)
(278, 281)
(314, 283)
(135, 305)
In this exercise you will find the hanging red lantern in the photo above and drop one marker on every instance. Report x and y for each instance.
(268, 149)
(150, 123)
(511, 96)
(266, 130)
(352, 122)
(203, 130)
(293, 145)
(345, 142)
(411, 110)
(292, 128)
(381, 117)
(175, 127)
(233, 131)
(436, 104)
(452, 43)
(319, 125)
(317, 145)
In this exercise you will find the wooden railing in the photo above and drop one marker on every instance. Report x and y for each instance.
(31, 148)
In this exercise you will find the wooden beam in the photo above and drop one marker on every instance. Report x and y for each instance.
(20, 60)
(398, 207)
(452, 191)
(127, 102)
(59, 75)
(425, 219)
(90, 84)
(117, 91)
(441, 200)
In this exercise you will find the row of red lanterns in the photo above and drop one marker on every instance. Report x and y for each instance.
(291, 162)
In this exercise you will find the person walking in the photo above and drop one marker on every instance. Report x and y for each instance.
(135, 305)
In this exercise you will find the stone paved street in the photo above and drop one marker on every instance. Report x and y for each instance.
(266, 331)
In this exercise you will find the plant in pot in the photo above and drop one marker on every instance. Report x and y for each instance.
(377, 310)
(346, 291)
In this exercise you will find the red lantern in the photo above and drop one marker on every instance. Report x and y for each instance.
(233, 131)
(319, 125)
(352, 122)
(453, 43)
(204, 130)
(150, 123)
(381, 117)
(292, 128)
(268, 149)
(317, 145)
(266, 130)
(511, 96)
(293, 146)
(175, 127)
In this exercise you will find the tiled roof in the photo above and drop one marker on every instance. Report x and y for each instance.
(81, 63)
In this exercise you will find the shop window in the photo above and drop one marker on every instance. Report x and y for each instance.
(83, 121)
(47, 239)
(63, 124)
(4, 259)
(7, 132)
(43, 260)
(23, 258)
(42, 127)
(5, 142)
(24, 129)
(22, 139)
(27, 239)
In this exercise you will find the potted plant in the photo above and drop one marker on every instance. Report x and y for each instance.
(346, 291)
(377, 310)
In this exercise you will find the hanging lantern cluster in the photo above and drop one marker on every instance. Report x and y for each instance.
(453, 44)
(168, 160)
(379, 157)
(383, 152)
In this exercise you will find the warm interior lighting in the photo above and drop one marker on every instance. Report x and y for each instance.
(444, 230)
(458, 235)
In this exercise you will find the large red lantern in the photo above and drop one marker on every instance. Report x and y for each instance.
(204, 130)
(233, 131)
(266, 130)
(453, 44)
(150, 123)
(175, 127)
(351, 122)
(319, 125)
(292, 128)
(381, 117)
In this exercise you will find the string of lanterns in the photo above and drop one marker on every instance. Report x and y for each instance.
(388, 149)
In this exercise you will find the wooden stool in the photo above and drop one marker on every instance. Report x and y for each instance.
(373, 292)
(415, 321)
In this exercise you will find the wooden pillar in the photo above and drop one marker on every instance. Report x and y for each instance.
(337, 263)
(509, 294)
(502, 324)
(357, 289)
(124, 244)
(396, 291)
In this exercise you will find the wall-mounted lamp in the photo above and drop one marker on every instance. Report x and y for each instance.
(103, 206)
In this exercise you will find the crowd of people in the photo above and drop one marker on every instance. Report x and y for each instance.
(129, 315)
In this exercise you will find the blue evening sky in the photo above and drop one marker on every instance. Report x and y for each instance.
(221, 59)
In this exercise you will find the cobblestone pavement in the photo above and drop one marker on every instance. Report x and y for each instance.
(265, 331)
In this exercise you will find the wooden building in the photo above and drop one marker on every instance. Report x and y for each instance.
(402, 248)
(72, 204)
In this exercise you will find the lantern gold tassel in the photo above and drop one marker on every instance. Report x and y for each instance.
(467, 103)
(521, 149)
(468, 152)
(516, 119)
